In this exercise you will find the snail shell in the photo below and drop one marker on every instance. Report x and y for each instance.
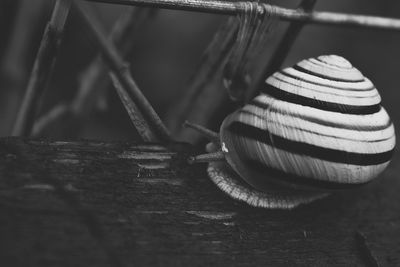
(317, 126)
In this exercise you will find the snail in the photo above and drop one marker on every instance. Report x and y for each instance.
(315, 128)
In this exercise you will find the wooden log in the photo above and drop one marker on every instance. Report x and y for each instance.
(92, 203)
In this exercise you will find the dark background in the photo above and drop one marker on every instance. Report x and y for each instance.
(166, 53)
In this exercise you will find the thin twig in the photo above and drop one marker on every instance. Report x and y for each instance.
(232, 8)
(42, 68)
(94, 80)
(14, 67)
(210, 135)
(281, 52)
(121, 70)
(136, 116)
(214, 156)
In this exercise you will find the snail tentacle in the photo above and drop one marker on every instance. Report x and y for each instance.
(210, 157)
(207, 133)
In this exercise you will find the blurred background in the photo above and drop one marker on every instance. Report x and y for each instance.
(166, 50)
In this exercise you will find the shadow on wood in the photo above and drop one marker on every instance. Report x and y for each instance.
(99, 204)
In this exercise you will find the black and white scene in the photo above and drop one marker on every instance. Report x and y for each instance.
(199, 133)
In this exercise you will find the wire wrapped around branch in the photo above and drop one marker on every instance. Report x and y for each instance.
(280, 53)
(254, 30)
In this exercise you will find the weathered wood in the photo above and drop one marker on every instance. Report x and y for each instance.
(92, 203)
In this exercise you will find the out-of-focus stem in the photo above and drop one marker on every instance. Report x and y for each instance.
(42, 68)
(121, 70)
(212, 136)
(13, 65)
(95, 80)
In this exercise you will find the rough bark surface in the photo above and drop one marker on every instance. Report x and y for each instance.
(92, 203)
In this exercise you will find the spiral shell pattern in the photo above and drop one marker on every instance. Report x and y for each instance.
(317, 124)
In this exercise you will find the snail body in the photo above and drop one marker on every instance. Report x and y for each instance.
(314, 128)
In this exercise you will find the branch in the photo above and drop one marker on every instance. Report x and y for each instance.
(141, 125)
(43, 67)
(232, 8)
(121, 71)
(14, 71)
(95, 80)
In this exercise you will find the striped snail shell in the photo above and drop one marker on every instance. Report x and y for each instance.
(315, 127)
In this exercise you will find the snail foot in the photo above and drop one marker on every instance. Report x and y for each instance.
(277, 198)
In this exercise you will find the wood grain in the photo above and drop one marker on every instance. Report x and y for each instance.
(92, 203)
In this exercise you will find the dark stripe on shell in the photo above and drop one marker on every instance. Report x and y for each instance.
(329, 64)
(318, 104)
(301, 69)
(283, 72)
(300, 148)
(314, 132)
(281, 176)
(321, 121)
(321, 92)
